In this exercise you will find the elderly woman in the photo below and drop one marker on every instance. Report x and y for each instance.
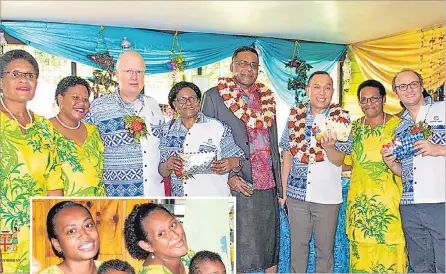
(193, 132)
(28, 163)
(154, 235)
(79, 145)
(373, 221)
(74, 238)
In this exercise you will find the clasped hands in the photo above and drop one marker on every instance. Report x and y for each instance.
(221, 166)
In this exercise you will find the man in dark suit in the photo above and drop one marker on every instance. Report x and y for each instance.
(249, 109)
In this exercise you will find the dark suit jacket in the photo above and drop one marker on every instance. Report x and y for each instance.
(213, 106)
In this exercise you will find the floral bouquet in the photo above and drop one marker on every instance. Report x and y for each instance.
(402, 147)
(135, 127)
(338, 123)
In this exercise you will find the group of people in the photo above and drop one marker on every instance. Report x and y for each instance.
(151, 233)
(120, 145)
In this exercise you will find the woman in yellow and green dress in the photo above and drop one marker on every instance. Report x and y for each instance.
(153, 234)
(373, 222)
(74, 238)
(79, 145)
(28, 159)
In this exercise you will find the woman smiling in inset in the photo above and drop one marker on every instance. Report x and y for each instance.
(153, 234)
(74, 237)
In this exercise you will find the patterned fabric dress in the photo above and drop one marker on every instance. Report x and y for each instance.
(28, 167)
(54, 269)
(161, 269)
(82, 166)
(373, 222)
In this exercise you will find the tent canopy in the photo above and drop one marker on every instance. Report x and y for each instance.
(341, 22)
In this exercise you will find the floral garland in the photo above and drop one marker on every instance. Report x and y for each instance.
(296, 126)
(234, 102)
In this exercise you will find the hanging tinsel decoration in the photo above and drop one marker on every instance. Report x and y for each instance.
(103, 82)
(421, 52)
(440, 65)
(125, 45)
(346, 74)
(431, 53)
(177, 62)
(298, 81)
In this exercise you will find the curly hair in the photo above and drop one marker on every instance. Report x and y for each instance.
(17, 54)
(68, 82)
(178, 87)
(116, 265)
(202, 256)
(134, 228)
(51, 221)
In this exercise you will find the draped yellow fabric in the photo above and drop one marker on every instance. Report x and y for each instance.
(382, 58)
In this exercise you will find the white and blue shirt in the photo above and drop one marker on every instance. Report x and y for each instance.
(319, 182)
(130, 168)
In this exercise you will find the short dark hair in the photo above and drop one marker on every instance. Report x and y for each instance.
(202, 256)
(116, 265)
(68, 82)
(245, 49)
(51, 221)
(178, 87)
(319, 72)
(420, 78)
(374, 84)
(134, 228)
(17, 54)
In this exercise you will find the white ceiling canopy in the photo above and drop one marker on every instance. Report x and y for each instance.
(342, 22)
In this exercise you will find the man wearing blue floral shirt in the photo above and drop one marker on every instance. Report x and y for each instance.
(423, 175)
(130, 161)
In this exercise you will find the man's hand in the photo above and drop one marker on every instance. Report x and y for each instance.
(329, 140)
(174, 163)
(237, 184)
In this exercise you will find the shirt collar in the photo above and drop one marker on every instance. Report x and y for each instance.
(178, 124)
(406, 114)
(325, 111)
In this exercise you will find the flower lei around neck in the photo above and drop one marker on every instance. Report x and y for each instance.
(296, 126)
(234, 102)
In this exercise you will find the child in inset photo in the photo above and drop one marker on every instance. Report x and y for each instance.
(206, 262)
(116, 267)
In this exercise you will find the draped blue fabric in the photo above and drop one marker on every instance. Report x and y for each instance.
(75, 42)
(277, 52)
(342, 244)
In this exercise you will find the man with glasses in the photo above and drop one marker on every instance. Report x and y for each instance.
(129, 123)
(374, 192)
(249, 109)
(423, 175)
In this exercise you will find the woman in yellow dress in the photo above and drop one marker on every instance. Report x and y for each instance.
(373, 221)
(28, 159)
(74, 238)
(154, 235)
(79, 145)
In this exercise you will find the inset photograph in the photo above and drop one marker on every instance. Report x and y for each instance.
(107, 235)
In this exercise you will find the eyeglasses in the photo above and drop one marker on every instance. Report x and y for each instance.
(130, 72)
(373, 99)
(412, 85)
(17, 74)
(184, 100)
(244, 64)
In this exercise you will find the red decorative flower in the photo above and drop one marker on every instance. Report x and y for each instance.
(415, 130)
(178, 173)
